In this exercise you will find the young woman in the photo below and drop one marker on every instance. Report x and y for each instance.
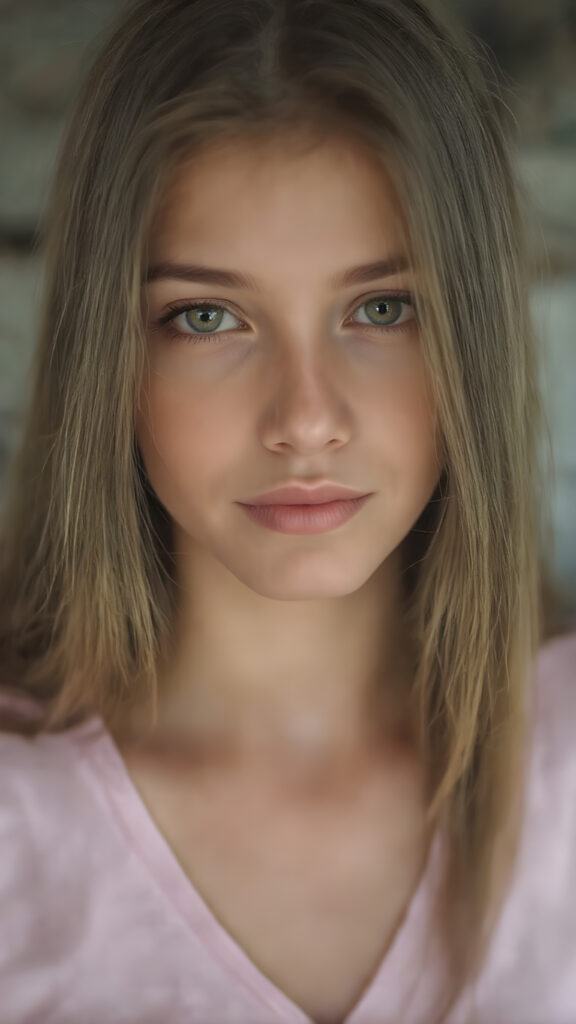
(284, 736)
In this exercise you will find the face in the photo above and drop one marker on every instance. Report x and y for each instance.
(291, 376)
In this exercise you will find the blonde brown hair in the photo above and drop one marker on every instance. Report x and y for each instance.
(87, 596)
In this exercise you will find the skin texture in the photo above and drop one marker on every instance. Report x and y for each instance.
(285, 644)
(277, 771)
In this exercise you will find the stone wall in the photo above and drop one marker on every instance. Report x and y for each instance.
(44, 46)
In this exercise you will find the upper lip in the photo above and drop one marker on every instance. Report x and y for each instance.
(296, 494)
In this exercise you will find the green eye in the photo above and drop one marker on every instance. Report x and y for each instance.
(205, 318)
(384, 312)
(387, 309)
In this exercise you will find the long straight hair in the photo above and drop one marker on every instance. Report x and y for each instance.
(87, 582)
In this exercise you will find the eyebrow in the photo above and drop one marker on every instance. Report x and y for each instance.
(232, 279)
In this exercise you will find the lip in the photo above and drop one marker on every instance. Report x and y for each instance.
(300, 519)
(297, 495)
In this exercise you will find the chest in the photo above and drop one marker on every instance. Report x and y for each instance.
(313, 891)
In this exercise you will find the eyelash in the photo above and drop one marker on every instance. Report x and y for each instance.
(176, 308)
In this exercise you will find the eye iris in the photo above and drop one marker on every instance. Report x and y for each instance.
(208, 315)
(382, 307)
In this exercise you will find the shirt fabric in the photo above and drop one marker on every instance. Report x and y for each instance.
(100, 925)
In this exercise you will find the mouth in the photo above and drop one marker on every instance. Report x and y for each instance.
(298, 495)
(305, 518)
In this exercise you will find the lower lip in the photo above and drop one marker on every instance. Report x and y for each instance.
(305, 518)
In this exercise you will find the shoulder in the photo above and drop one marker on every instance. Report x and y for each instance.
(529, 971)
(49, 825)
(554, 696)
(23, 755)
(556, 660)
(551, 792)
(42, 787)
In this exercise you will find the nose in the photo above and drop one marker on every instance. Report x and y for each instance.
(307, 408)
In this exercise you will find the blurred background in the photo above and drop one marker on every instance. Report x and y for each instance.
(44, 48)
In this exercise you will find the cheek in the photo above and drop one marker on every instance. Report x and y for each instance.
(183, 437)
(405, 415)
(410, 447)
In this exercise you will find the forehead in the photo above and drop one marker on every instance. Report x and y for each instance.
(334, 190)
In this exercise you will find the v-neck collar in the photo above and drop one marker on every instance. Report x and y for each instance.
(393, 981)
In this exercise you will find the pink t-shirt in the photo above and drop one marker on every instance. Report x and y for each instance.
(100, 925)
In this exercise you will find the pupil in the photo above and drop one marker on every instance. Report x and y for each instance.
(204, 316)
